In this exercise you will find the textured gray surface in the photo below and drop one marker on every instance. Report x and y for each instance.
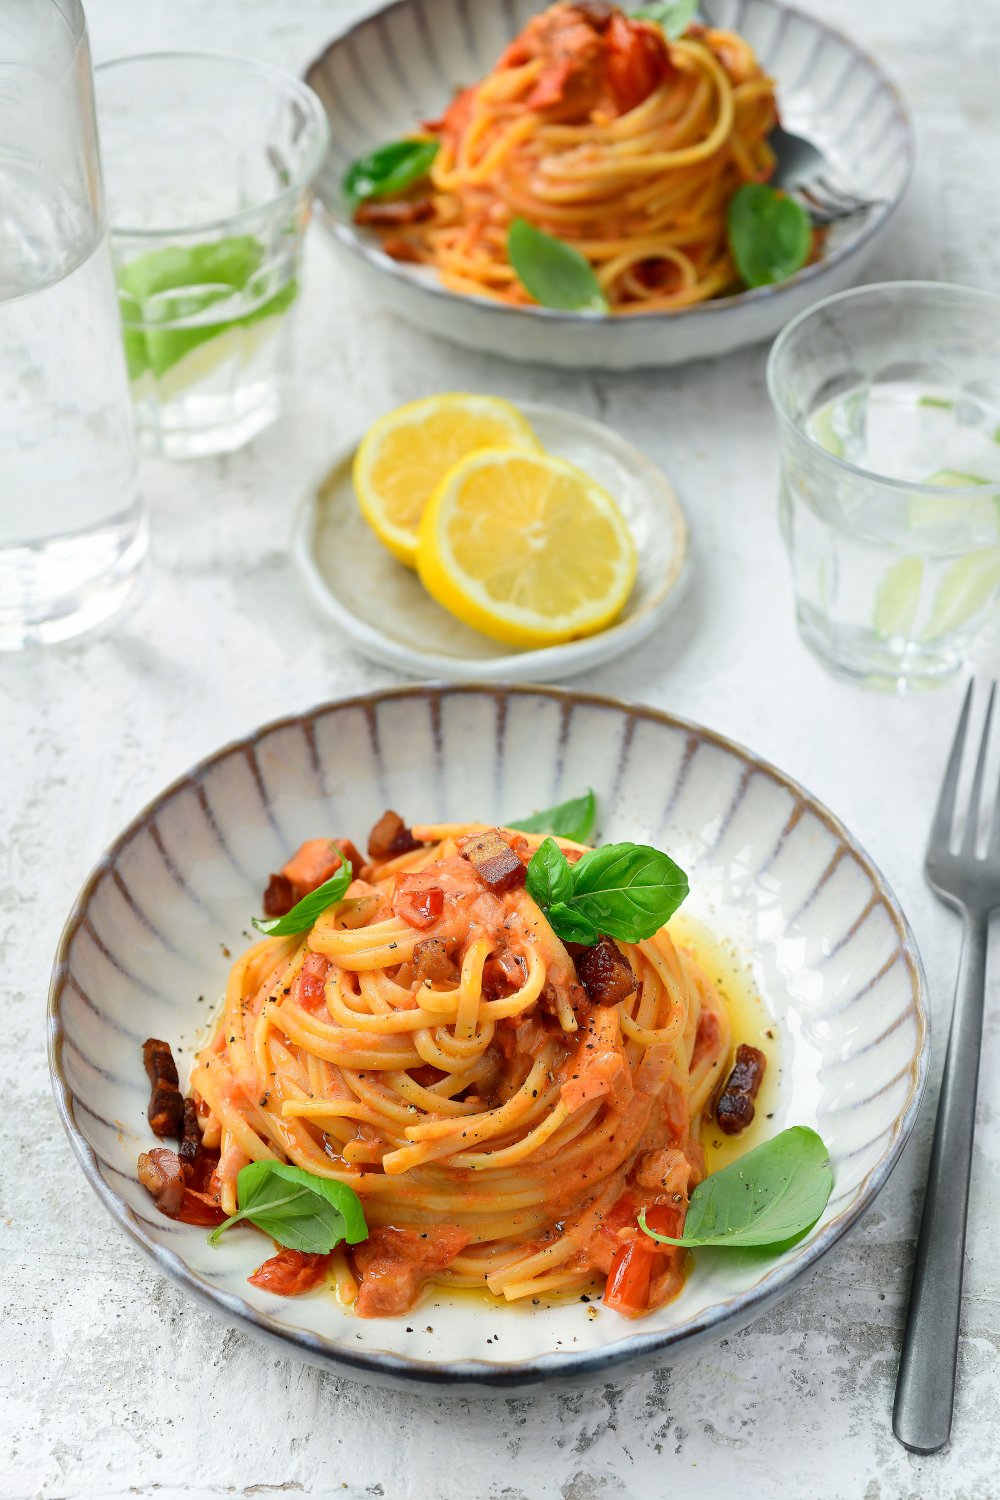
(112, 1384)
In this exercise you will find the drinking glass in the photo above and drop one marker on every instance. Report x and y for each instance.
(888, 406)
(209, 161)
(72, 531)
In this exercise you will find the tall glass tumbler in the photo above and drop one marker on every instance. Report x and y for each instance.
(72, 531)
(209, 162)
(888, 406)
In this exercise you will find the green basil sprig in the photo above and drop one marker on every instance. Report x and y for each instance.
(567, 820)
(770, 234)
(553, 272)
(298, 1209)
(624, 891)
(304, 913)
(673, 19)
(389, 170)
(773, 1194)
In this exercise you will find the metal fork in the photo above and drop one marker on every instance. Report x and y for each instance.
(803, 172)
(969, 882)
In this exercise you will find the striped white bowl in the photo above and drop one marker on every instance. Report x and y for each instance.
(771, 871)
(402, 65)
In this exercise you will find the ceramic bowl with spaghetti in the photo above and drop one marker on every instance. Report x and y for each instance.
(591, 185)
(587, 1057)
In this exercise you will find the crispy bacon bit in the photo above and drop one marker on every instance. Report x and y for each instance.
(417, 903)
(598, 12)
(290, 1273)
(494, 861)
(279, 898)
(312, 864)
(397, 247)
(390, 837)
(190, 1134)
(383, 215)
(433, 962)
(735, 1108)
(604, 972)
(169, 1180)
(393, 1265)
(161, 1173)
(166, 1106)
(503, 973)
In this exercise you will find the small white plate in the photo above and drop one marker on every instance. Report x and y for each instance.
(384, 609)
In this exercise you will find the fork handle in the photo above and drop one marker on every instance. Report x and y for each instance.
(925, 1386)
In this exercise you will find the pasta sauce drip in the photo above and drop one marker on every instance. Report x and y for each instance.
(429, 1042)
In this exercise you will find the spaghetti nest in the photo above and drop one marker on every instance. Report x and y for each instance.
(596, 129)
(429, 1042)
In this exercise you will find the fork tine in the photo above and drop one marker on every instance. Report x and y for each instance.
(975, 795)
(945, 814)
(993, 849)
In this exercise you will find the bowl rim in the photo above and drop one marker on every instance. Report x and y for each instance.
(535, 1368)
(629, 630)
(369, 255)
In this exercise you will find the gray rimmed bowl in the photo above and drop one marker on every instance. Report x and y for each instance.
(773, 874)
(402, 65)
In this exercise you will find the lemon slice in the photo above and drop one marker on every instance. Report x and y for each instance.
(525, 548)
(405, 455)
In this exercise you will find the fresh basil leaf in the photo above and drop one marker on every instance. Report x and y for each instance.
(567, 820)
(770, 234)
(304, 913)
(298, 1209)
(673, 19)
(572, 926)
(550, 878)
(389, 170)
(769, 1196)
(553, 272)
(627, 891)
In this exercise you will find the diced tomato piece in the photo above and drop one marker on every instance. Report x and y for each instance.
(290, 1273)
(551, 87)
(453, 123)
(417, 903)
(312, 982)
(627, 1290)
(199, 1208)
(667, 1218)
(638, 61)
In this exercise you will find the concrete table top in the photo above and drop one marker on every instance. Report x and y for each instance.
(113, 1384)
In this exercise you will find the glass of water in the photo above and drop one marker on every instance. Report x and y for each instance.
(888, 405)
(72, 532)
(209, 161)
